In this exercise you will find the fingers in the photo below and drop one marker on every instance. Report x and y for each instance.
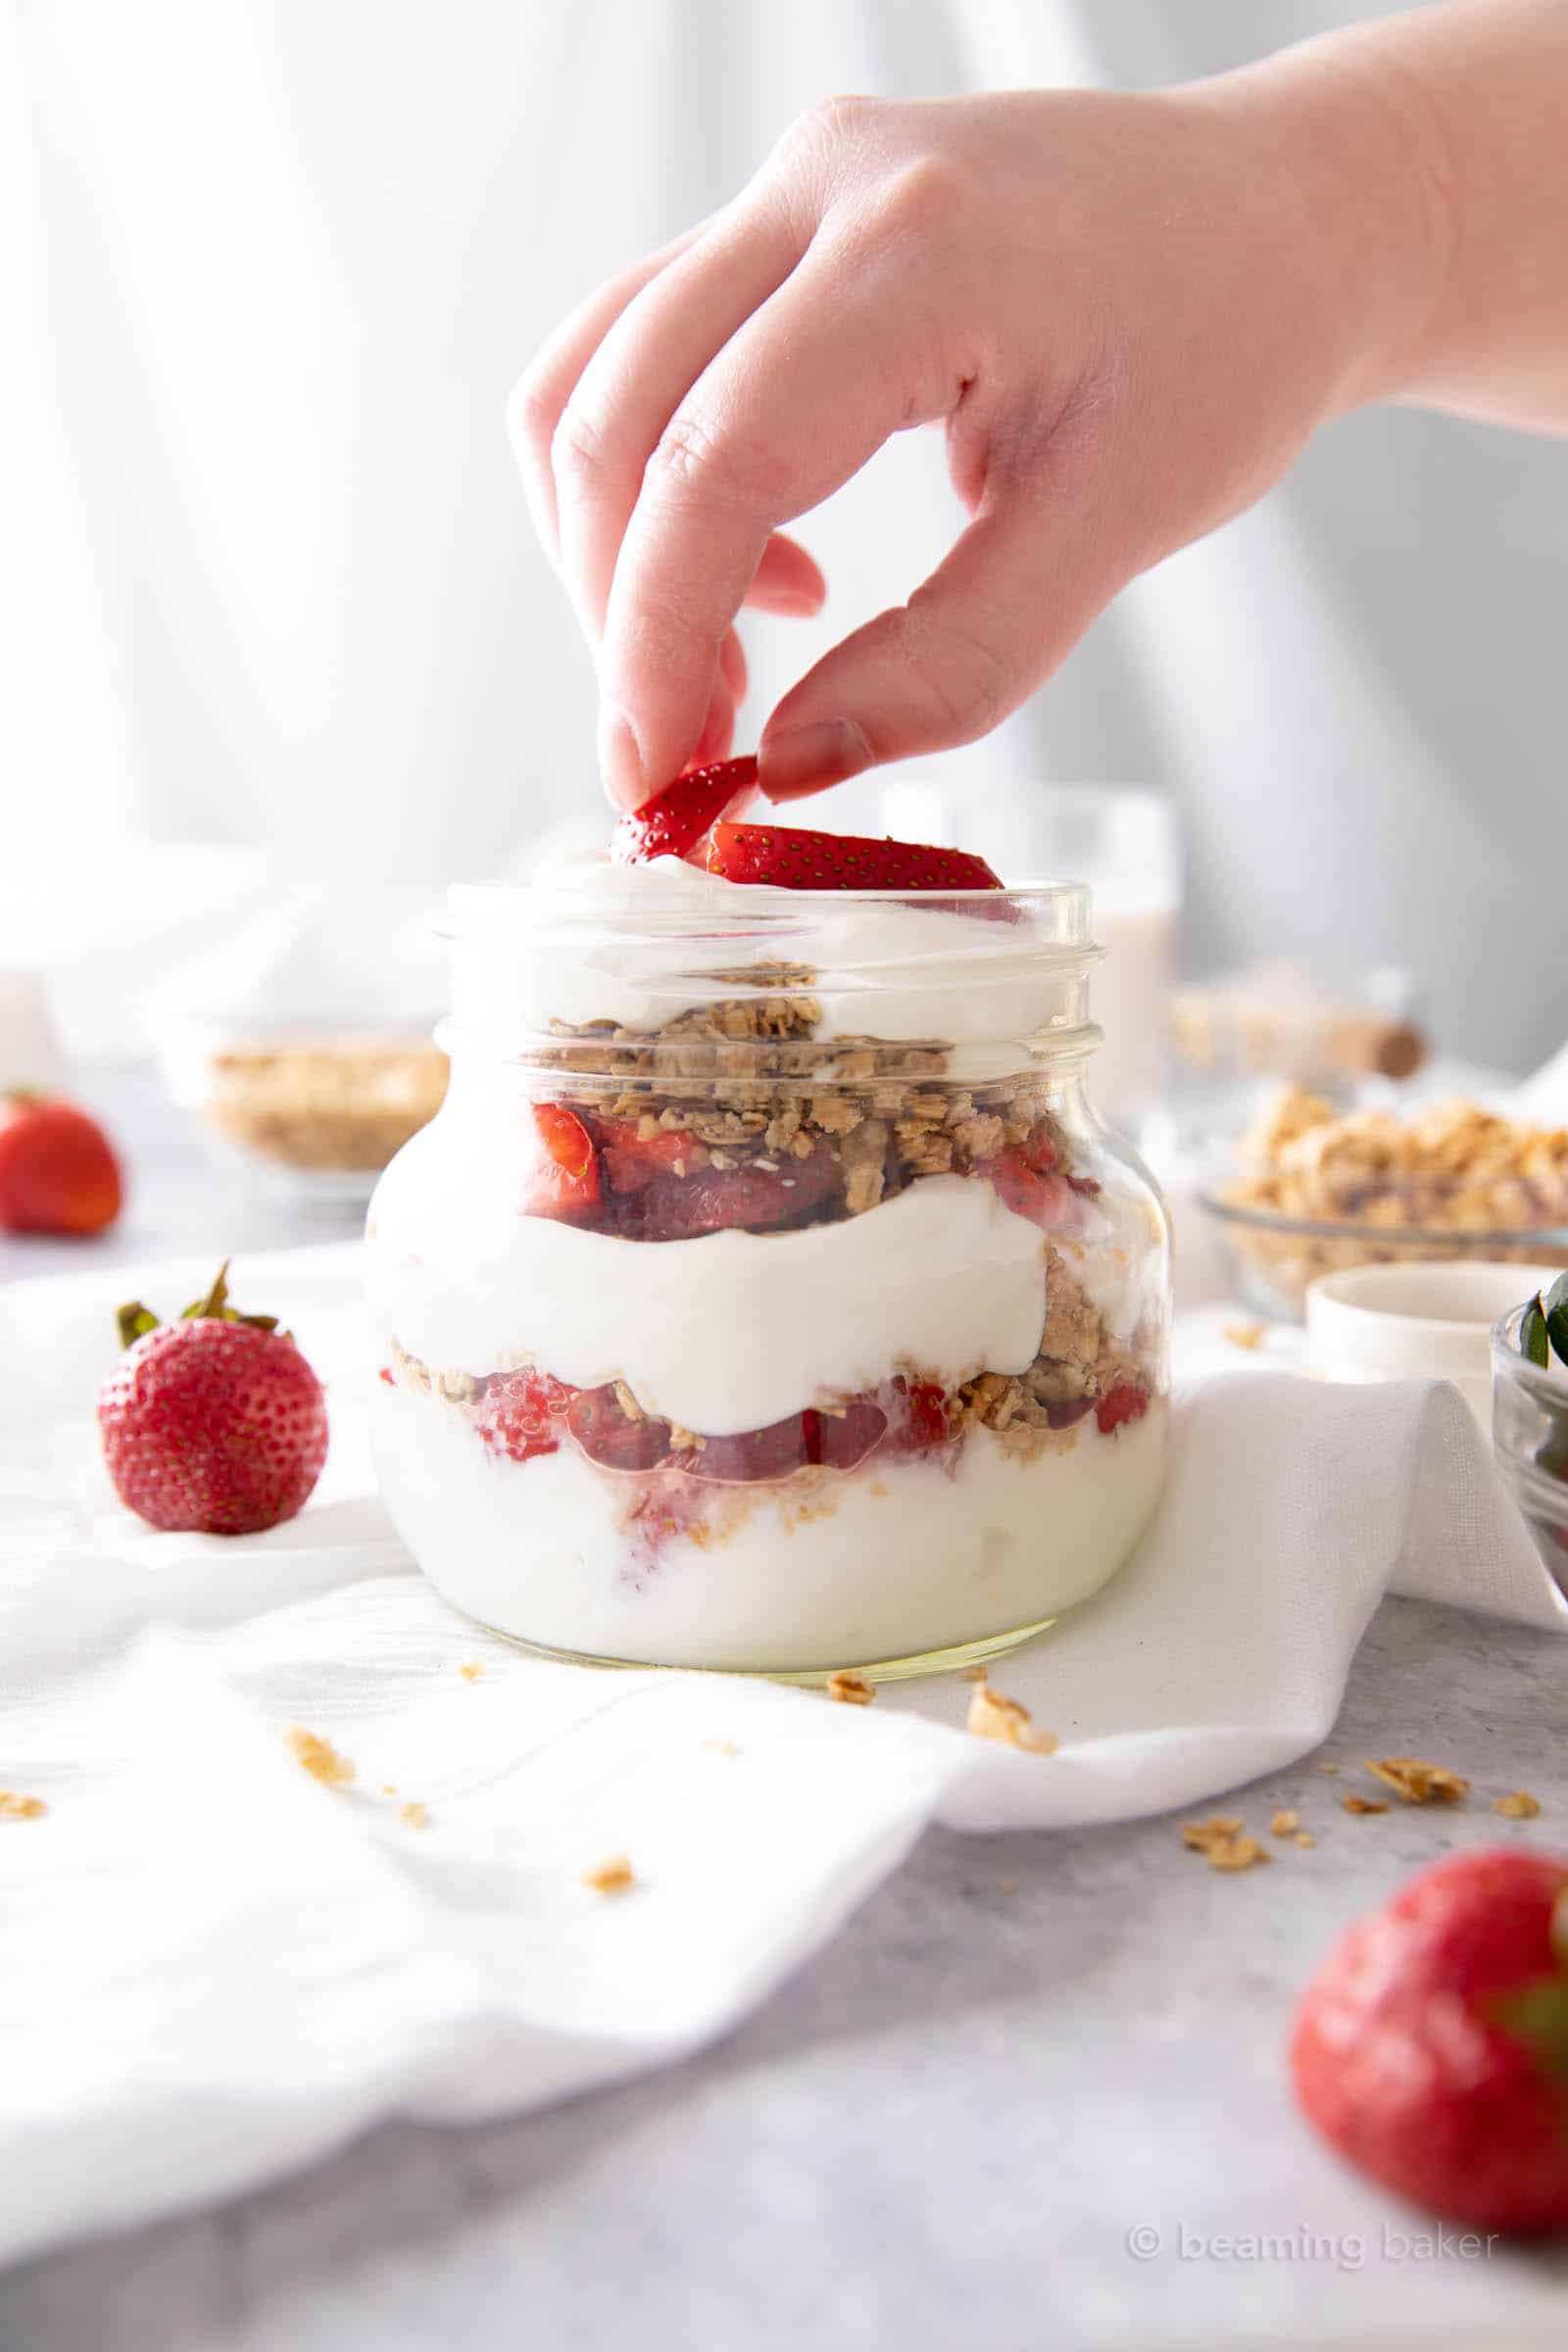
(800, 396)
(534, 410)
(787, 579)
(631, 386)
(1003, 607)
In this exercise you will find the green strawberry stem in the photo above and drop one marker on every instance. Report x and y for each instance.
(135, 1320)
(1534, 1343)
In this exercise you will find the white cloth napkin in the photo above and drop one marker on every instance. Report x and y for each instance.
(216, 1969)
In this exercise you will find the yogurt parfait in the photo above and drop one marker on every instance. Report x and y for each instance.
(766, 1296)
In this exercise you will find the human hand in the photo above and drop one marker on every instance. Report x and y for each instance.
(1128, 312)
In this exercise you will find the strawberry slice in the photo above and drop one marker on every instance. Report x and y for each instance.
(563, 1176)
(519, 1413)
(1125, 1402)
(790, 858)
(632, 1160)
(674, 1209)
(676, 819)
(614, 1438)
(1046, 1198)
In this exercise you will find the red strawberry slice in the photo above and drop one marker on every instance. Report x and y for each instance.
(563, 1177)
(790, 858)
(751, 1200)
(632, 1160)
(614, 1438)
(1125, 1402)
(1046, 1199)
(676, 819)
(520, 1413)
(919, 1415)
(834, 1440)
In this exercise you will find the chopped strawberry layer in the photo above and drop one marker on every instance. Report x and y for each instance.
(521, 1415)
(790, 857)
(1123, 1403)
(562, 1175)
(677, 820)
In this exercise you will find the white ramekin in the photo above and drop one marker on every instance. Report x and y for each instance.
(1417, 1322)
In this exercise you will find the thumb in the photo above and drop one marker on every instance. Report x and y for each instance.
(1006, 603)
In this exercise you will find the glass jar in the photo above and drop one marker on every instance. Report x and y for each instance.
(768, 1296)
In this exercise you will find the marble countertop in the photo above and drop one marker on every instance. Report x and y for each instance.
(1032, 2095)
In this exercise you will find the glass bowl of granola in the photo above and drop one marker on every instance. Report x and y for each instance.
(1314, 1187)
(768, 1296)
(1529, 1416)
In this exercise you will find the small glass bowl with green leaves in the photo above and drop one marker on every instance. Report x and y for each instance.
(1529, 1416)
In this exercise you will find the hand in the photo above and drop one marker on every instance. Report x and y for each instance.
(1128, 312)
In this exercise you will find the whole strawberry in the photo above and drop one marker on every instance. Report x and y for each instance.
(214, 1425)
(1432, 2046)
(58, 1173)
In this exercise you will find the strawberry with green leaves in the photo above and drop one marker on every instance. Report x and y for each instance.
(214, 1424)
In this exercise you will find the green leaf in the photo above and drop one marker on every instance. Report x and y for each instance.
(135, 1321)
(215, 1304)
(1554, 1306)
(1536, 2015)
(1532, 1341)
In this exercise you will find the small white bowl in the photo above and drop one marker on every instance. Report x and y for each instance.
(1417, 1322)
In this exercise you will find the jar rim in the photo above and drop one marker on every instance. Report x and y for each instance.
(766, 906)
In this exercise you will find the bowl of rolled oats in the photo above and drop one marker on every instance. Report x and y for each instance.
(317, 1110)
(1529, 1416)
(1314, 1187)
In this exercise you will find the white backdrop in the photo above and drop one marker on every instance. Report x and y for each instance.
(264, 571)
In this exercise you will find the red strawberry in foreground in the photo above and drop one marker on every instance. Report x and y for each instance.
(215, 1425)
(676, 819)
(562, 1180)
(57, 1171)
(792, 859)
(1431, 2045)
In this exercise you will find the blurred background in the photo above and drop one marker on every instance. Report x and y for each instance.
(281, 657)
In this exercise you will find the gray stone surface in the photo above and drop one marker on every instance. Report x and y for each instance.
(942, 2133)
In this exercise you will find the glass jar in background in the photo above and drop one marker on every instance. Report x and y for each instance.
(767, 1294)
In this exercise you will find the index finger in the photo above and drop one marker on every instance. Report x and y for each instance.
(793, 406)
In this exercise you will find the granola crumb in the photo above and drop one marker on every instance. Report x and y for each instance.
(1006, 1886)
(472, 1669)
(1236, 1853)
(1199, 1835)
(1517, 1805)
(389, 1787)
(850, 1690)
(1330, 1769)
(993, 1717)
(1414, 1782)
(1363, 1805)
(611, 1877)
(413, 1815)
(317, 1757)
(1285, 1823)
(14, 1806)
(1246, 1334)
(1303, 1838)
(722, 1748)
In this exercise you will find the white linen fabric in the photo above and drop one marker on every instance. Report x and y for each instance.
(216, 1969)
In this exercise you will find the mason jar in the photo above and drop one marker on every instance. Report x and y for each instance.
(767, 1294)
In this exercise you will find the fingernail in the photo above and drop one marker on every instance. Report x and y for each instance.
(805, 760)
(621, 762)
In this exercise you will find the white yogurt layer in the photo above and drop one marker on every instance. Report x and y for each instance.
(900, 972)
(891, 1562)
(726, 1333)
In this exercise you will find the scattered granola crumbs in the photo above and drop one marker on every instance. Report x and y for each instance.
(1517, 1805)
(1363, 1805)
(1417, 1782)
(993, 1717)
(1303, 1838)
(413, 1815)
(317, 1757)
(389, 1787)
(1330, 1769)
(1247, 1334)
(1236, 1853)
(472, 1669)
(976, 1674)
(14, 1806)
(1285, 1823)
(1199, 1835)
(1006, 1886)
(850, 1690)
(612, 1877)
